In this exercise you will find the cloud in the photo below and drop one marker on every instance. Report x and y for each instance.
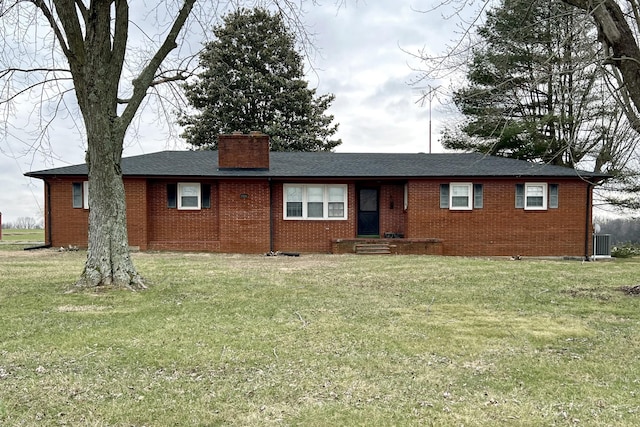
(361, 58)
(365, 62)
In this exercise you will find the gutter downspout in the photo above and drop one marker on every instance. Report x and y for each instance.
(587, 222)
(49, 232)
(270, 215)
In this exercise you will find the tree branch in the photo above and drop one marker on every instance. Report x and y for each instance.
(83, 11)
(180, 76)
(120, 36)
(7, 71)
(145, 78)
(4, 8)
(27, 89)
(619, 40)
(54, 26)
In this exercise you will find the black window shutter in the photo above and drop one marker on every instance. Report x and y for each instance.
(205, 190)
(444, 196)
(519, 196)
(77, 195)
(172, 196)
(553, 196)
(477, 196)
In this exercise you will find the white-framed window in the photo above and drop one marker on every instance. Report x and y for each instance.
(461, 196)
(80, 194)
(315, 201)
(535, 196)
(189, 195)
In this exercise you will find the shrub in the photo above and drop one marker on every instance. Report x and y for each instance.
(625, 250)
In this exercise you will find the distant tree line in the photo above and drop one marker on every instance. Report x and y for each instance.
(622, 230)
(23, 223)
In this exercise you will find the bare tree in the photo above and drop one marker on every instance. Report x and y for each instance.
(26, 223)
(618, 25)
(614, 54)
(535, 93)
(59, 47)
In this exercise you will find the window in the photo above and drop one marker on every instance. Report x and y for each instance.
(337, 202)
(293, 197)
(461, 196)
(189, 196)
(80, 194)
(536, 196)
(313, 201)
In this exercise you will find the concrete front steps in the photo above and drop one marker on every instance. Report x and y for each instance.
(396, 246)
(373, 248)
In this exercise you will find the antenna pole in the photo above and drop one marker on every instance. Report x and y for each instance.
(428, 95)
(430, 99)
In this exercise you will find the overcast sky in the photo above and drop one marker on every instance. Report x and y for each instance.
(361, 58)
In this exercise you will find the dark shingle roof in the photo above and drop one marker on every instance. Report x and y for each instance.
(332, 165)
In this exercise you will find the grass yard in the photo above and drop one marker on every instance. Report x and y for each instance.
(15, 239)
(321, 340)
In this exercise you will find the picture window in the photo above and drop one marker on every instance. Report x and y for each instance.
(315, 202)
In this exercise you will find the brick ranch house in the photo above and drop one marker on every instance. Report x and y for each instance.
(245, 199)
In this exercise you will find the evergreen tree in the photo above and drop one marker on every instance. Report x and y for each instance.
(252, 80)
(534, 90)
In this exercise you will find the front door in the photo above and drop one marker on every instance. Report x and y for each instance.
(368, 214)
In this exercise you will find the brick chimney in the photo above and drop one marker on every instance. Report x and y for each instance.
(240, 151)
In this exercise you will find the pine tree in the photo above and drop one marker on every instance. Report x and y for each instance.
(253, 80)
(534, 91)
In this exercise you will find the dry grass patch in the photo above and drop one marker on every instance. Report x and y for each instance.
(320, 340)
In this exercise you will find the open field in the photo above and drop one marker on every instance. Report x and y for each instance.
(13, 239)
(321, 340)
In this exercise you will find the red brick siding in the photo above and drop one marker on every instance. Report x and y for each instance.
(499, 228)
(177, 229)
(243, 151)
(242, 225)
(392, 215)
(136, 199)
(70, 226)
(244, 216)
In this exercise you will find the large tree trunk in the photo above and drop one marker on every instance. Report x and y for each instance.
(108, 259)
(93, 37)
(96, 71)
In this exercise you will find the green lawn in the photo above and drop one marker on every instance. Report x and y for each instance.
(13, 239)
(321, 340)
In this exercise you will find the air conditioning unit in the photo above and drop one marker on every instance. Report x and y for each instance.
(602, 245)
